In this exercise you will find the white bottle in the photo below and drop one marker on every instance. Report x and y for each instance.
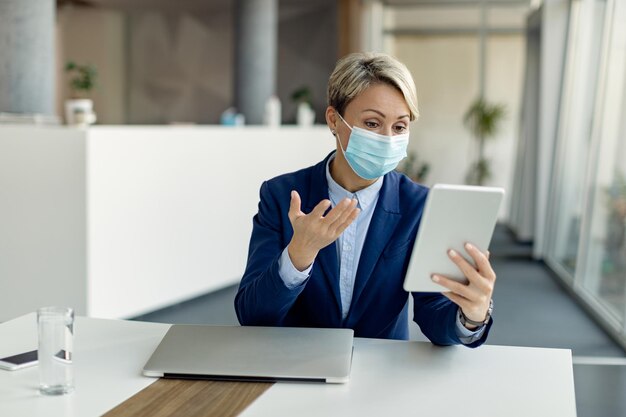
(305, 115)
(272, 114)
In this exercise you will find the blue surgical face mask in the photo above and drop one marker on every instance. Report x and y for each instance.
(371, 155)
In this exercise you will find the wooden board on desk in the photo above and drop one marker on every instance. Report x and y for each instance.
(190, 398)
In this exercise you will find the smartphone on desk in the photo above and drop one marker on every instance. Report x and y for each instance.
(19, 361)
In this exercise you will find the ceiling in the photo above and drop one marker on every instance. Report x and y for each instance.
(443, 3)
(179, 5)
(207, 5)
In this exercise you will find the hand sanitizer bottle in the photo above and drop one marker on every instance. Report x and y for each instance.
(272, 112)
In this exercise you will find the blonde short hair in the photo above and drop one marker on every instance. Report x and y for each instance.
(354, 73)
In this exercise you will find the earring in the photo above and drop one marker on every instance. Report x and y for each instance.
(333, 131)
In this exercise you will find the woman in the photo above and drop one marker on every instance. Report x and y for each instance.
(331, 243)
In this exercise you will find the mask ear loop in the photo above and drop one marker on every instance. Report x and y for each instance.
(336, 134)
(343, 120)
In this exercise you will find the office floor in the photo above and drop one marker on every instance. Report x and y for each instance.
(531, 309)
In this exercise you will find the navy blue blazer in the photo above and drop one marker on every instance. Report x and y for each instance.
(379, 307)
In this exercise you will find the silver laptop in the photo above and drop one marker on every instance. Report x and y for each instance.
(240, 353)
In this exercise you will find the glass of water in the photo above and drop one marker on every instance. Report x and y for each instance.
(56, 334)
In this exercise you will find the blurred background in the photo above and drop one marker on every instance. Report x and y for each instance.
(134, 136)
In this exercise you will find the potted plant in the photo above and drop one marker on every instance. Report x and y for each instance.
(483, 120)
(305, 116)
(79, 108)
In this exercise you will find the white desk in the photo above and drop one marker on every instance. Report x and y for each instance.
(388, 378)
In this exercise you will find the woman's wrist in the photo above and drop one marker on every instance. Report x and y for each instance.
(301, 257)
(471, 323)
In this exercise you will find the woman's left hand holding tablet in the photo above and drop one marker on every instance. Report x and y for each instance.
(474, 297)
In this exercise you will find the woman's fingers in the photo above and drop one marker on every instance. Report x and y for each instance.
(482, 261)
(454, 286)
(466, 268)
(294, 205)
(341, 217)
(315, 228)
(473, 297)
(320, 209)
(337, 211)
(349, 219)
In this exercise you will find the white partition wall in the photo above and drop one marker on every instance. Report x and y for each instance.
(166, 211)
(42, 219)
(170, 211)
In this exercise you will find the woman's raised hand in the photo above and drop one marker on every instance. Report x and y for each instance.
(314, 231)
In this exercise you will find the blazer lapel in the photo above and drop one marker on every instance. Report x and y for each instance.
(327, 257)
(384, 221)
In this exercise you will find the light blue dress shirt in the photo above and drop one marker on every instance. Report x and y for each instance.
(349, 246)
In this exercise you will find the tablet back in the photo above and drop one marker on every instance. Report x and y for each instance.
(453, 216)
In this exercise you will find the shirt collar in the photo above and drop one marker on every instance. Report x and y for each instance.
(365, 197)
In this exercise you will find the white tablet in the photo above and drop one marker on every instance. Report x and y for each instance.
(453, 216)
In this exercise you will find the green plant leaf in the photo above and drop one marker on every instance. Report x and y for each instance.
(302, 94)
(483, 119)
(83, 77)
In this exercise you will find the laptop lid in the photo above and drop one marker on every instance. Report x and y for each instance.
(240, 353)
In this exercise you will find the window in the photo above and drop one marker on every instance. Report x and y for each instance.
(587, 235)
(574, 132)
(604, 275)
